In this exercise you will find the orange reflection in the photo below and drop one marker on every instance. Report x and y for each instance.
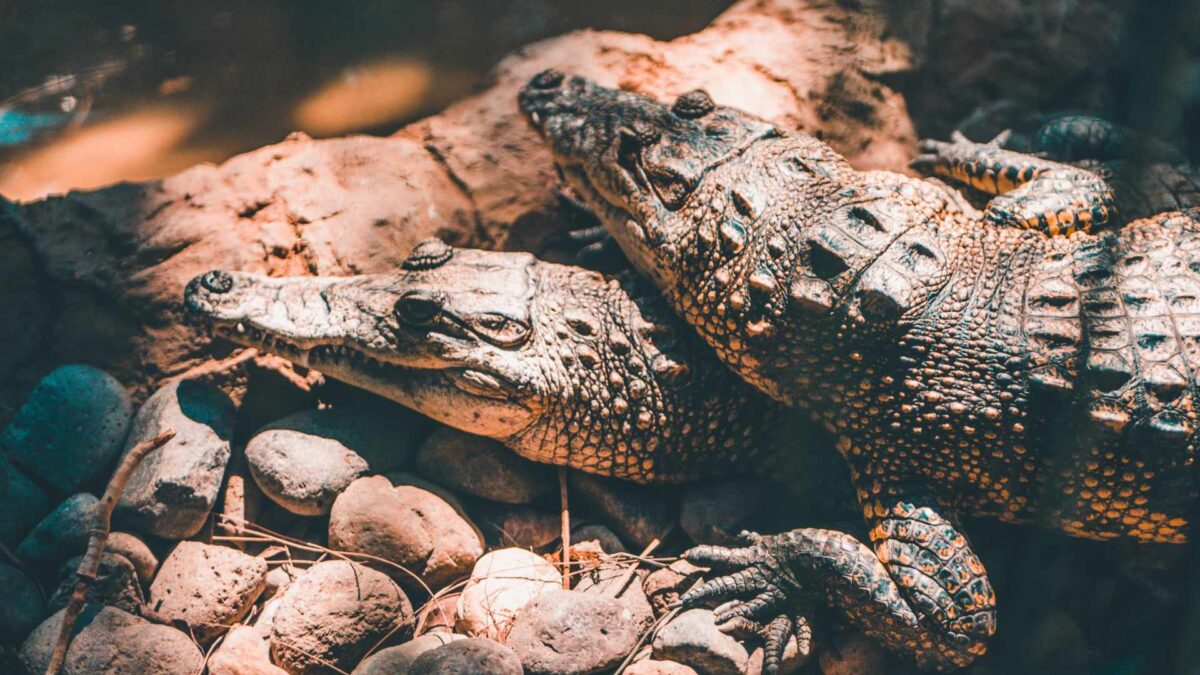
(141, 145)
(366, 96)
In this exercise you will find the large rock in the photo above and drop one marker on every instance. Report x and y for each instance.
(397, 660)
(472, 656)
(116, 584)
(71, 428)
(207, 588)
(110, 641)
(22, 502)
(663, 586)
(172, 491)
(855, 653)
(21, 605)
(61, 534)
(501, 583)
(612, 580)
(692, 638)
(99, 273)
(655, 667)
(567, 632)
(483, 468)
(304, 461)
(333, 614)
(638, 513)
(408, 526)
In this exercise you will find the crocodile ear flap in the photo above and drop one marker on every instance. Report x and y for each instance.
(428, 254)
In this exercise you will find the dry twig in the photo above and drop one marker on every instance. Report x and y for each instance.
(566, 526)
(97, 539)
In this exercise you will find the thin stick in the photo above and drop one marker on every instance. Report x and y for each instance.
(566, 526)
(97, 539)
(654, 543)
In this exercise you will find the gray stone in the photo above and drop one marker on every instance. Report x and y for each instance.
(692, 638)
(408, 526)
(716, 513)
(335, 612)
(472, 656)
(607, 539)
(21, 605)
(397, 660)
(22, 502)
(565, 632)
(653, 667)
(61, 534)
(208, 588)
(111, 641)
(173, 490)
(70, 430)
(136, 551)
(501, 583)
(664, 586)
(304, 461)
(116, 584)
(246, 650)
(608, 579)
(523, 526)
(637, 513)
(483, 467)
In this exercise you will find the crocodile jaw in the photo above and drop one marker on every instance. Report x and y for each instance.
(343, 328)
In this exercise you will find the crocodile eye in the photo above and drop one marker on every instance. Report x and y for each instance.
(418, 307)
(500, 330)
(693, 105)
(670, 185)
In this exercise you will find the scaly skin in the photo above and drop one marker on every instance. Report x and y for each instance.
(966, 364)
(562, 365)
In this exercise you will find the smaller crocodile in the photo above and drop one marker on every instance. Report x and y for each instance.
(561, 364)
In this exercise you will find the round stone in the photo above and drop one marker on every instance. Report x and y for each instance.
(111, 641)
(483, 467)
(468, 657)
(563, 632)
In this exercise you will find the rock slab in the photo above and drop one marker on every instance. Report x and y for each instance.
(172, 491)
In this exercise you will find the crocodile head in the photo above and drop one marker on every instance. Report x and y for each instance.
(447, 335)
(638, 162)
(561, 364)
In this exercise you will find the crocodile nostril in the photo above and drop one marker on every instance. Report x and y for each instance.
(217, 281)
(420, 307)
(547, 79)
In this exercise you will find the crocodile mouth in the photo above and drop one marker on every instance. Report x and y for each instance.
(355, 366)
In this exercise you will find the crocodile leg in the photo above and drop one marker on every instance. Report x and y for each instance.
(1031, 192)
(921, 592)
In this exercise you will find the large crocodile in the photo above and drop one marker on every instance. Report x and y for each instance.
(563, 365)
(968, 362)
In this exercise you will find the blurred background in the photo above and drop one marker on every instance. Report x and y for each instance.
(92, 93)
(96, 92)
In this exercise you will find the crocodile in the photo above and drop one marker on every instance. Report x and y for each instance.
(561, 364)
(1033, 360)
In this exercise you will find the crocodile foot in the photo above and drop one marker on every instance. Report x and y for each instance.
(761, 595)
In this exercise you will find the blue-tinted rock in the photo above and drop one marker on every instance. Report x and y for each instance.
(63, 533)
(21, 605)
(70, 430)
(173, 490)
(22, 502)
